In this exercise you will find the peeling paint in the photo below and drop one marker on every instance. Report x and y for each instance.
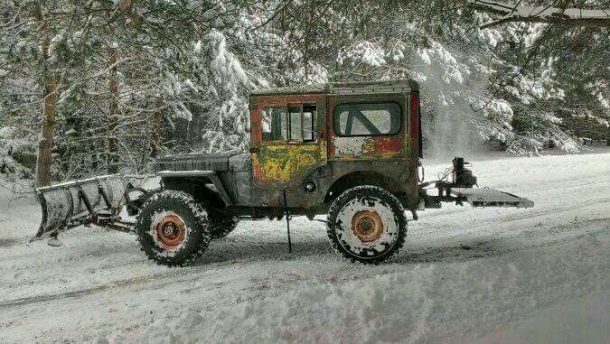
(349, 146)
(284, 165)
(368, 147)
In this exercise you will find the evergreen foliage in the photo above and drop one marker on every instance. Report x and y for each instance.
(140, 78)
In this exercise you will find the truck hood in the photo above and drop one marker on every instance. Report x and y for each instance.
(199, 162)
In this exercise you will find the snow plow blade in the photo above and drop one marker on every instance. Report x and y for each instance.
(488, 197)
(98, 200)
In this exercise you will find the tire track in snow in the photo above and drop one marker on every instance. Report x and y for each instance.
(175, 275)
(8, 242)
(476, 250)
(92, 290)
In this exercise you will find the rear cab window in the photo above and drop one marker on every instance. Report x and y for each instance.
(367, 119)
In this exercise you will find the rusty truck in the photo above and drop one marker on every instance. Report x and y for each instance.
(351, 151)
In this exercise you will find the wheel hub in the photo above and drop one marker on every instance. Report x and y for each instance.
(171, 231)
(367, 225)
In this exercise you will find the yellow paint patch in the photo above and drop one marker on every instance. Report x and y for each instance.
(286, 165)
(368, 146)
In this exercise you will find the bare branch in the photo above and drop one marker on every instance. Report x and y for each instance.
(548, 15)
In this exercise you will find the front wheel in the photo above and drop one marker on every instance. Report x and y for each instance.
(367, 224)
(173, 228)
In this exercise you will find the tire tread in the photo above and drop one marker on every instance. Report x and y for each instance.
(357, 191)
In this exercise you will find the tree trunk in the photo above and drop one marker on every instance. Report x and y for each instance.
(45, 144)
(113, 120)
(45, 148)
(158, 130)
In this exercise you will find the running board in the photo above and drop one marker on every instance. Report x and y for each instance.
(488, 197)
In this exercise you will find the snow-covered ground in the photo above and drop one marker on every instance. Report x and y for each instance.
(465, 275)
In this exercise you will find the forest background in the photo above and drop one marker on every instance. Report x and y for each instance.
(106, 86)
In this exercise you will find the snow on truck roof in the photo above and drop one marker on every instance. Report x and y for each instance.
(359, 87)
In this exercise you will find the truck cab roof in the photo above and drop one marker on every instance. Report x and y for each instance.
(345, 88)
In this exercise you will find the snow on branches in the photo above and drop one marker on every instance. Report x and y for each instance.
(211, 83)
(542, 14)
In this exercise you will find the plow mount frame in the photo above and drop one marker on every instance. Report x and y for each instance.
(461, 190)
(104, 214)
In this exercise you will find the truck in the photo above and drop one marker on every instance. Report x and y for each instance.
(351, 151)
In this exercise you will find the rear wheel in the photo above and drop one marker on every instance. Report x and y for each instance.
(221, 225)
(173, 228)
(367, 224)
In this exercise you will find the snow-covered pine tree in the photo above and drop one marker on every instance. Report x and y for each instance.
(184, 69)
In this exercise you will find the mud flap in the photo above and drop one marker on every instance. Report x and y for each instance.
(96, 200)
(488, 197)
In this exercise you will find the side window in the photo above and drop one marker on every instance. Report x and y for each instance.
(275, 124)
(361, 119)
(310, 118)
(296, 123)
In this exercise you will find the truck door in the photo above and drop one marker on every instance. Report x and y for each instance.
(287, 138)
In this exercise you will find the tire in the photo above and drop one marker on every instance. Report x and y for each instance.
(173, 229)
(221, 225)
(367, 224)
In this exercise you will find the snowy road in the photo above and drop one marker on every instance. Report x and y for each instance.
(494, 275)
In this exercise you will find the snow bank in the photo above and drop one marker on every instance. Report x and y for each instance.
(583, 320)
(429, 304)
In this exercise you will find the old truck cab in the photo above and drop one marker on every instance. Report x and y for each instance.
(316, 142)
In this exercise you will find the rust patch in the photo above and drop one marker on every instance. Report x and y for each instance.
(171, 231)
(388, 145)
(367, 225)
